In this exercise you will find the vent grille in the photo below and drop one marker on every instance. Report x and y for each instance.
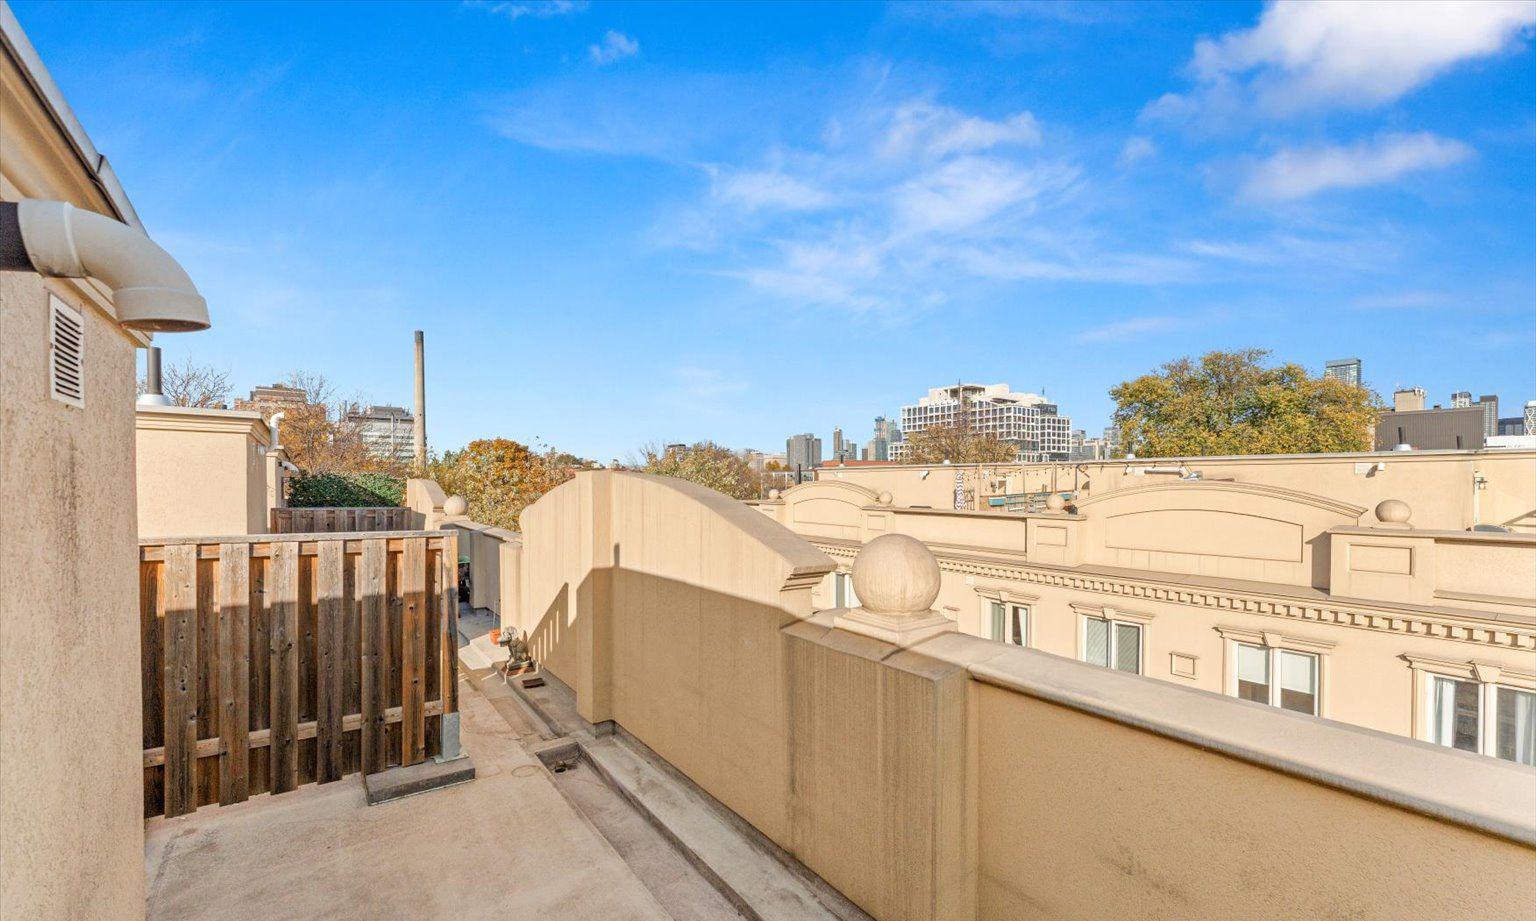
(66, 353)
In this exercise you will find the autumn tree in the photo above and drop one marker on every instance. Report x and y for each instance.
(317, 430)
(500, 477)
(189, 384)
(957, 445)
(1229, 403)
(706, 464)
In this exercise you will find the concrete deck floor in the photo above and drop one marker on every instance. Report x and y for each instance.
(508, 845)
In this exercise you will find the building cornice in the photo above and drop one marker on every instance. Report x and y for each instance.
(1483, 630)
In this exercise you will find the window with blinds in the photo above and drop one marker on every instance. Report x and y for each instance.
(66, 353)
(1112, 644)
(1008, 623)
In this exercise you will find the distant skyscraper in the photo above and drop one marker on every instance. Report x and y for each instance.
(803, 454)
(837, 443)
(1344, 369)
(387, 431)
(1530, 417)
(1490, 404)
(1461, 398)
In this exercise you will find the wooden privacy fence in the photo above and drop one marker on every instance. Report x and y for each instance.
(326, 520)
(270, 662)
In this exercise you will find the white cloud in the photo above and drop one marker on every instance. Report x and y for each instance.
(930, 130)
(534, 9)
(1299, 172)
(968, 191)
(615, 46)
(1132, 328)
(766, 190)
(1319, 54)
(1136, 149)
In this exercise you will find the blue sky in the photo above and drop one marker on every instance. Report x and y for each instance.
(624, 223)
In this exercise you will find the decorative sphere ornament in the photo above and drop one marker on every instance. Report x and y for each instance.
(455, 507)
(1054, 502)
(896, 574)
(1393, 511)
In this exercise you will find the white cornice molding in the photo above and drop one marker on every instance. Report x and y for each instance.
(1468, 628)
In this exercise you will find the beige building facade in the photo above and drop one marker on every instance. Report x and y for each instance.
(205, 471)
(1345, 607)
(71, 800)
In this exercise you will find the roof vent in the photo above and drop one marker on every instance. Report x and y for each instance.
(66, 353)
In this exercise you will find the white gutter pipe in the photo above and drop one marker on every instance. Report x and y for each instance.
(272, 425)
(150, 290)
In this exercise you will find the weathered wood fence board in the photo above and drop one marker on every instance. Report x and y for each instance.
(278, 660)
(338, 520)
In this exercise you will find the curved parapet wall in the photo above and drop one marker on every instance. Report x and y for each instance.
(660, 602)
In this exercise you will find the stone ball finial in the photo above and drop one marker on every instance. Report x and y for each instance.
(885, 498)
(896, 574)
(1393, 512)
(455, 506)
(1054, 502)
(774, 494)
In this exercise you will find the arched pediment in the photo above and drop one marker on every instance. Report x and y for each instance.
(828, 508)
(1229, 529)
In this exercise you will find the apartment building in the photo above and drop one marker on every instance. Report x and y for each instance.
(387, 431)
(1344, 369)
(1027, 420)
(1308, 583)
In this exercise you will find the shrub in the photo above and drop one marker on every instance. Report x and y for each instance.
(345, 490)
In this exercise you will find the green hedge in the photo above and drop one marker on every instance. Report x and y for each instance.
(345, 490)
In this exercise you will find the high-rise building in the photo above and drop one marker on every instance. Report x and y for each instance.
(387, 431)
(1512, 425)
(843, 449)
(803, 453)
(1530, 417)
(275, 394)
(1343, 369)
(1461, 398)
(837, 443)
(1027, 420)
(1490, 405)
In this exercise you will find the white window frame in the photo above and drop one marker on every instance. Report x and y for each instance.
(1274, 642)
(1113, 616)
(842, 589)
(1011, 601)
(1488, 678)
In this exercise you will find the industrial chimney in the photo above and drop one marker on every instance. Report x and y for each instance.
(421, 403)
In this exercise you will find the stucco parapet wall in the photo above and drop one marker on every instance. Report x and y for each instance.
(202, 419)
(1490, 795)
(1471, 537)
(1346, 509)
(1489, 628)
(806, 564)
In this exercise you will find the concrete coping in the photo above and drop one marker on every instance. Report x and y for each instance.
(1489, 537)
(1488, 794)
(277, 538)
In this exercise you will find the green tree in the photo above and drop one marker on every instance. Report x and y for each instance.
(1232, 403)
(705, 463)
(500, 477)
(940, 443)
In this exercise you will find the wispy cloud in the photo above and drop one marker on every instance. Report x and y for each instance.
(1136, 149)
(532, 9)
(1132, 328)
(1341, 54)
(1300, 172)
(615, 46)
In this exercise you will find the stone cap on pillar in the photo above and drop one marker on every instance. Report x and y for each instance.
(896, 579)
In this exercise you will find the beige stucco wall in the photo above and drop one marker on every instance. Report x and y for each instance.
(1085, 818)
(1200, 574)
(201, 472)
(963, 779)
(71, 839)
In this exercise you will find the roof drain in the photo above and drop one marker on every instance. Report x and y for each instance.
(150, 290)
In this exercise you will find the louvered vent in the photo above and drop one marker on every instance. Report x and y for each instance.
(66, 353)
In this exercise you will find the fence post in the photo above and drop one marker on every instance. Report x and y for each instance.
(448, 647)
